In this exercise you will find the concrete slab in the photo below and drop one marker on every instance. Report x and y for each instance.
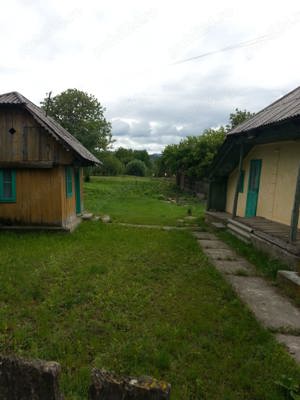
(272, 309)
(213, 244)
(87, 216)
(292, 343)
(220, 254)
(205, 235)
(238, 267)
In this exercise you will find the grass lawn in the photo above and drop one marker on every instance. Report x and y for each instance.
(139, 200)
(136, 301)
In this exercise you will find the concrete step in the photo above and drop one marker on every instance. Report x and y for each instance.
(290, 281)
(240, 230)
(240, 225)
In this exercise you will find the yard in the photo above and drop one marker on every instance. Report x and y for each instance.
(134, 300)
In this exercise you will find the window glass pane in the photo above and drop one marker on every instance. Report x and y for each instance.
(7, 190)
(7, 176)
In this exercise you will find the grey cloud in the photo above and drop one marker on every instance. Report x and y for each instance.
(140, 129)
(187, 107)
(120, 128)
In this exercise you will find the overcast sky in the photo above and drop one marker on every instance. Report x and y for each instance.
(128, 53)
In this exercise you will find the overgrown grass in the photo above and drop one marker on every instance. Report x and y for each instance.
(136, 301)
(140, 200)
(264, 263)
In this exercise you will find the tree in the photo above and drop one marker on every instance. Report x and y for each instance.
(124, 155)
(82, 115)
(194, 154)
(111, 166)
(237, 118)
(127, 155)
(143, 156)
(136, 167)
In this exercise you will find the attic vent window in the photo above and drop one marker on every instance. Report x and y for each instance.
(12, 131)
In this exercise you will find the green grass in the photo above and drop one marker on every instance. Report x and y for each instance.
(136, 301)
(139, 200)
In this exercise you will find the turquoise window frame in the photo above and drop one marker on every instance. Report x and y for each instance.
(13, 197)
(69, 181)
(241, 182)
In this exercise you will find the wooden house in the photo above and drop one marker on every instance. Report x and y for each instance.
(255, 177)
(40, 167)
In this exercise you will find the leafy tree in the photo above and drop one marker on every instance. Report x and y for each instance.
(143, 156)
(136, 167)
(237, 118)
(112, 166)
(127, 155)
(193, 155)
(83, 116)
(124, 155)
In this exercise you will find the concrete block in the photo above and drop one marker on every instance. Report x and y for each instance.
(290, 280)
(29, 380)
(108, 386)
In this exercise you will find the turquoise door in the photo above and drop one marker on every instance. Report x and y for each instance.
(77, 191)
(253, 188)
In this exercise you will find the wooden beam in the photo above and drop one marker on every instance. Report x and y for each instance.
(236, 195)
(295, 211)
(26, 164)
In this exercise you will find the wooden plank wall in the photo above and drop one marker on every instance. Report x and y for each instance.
(38, 198)
(30, 142)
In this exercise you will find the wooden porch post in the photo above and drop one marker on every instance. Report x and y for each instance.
(236, 195)
(295, 212)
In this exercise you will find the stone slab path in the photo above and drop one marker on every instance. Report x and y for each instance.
(163, 227)
(272, 309)
(275, 311)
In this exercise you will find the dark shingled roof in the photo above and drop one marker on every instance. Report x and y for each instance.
(286, 107)
(50, 125)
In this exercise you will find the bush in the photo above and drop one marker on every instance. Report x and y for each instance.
(136, 168)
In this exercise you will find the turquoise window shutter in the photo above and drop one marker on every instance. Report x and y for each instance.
(8, 192)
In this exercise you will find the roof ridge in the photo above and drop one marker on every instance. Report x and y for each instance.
(21, 98)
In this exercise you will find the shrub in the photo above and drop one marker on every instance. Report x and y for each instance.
(136, 168)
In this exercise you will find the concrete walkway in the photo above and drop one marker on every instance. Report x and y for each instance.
(275, 311)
